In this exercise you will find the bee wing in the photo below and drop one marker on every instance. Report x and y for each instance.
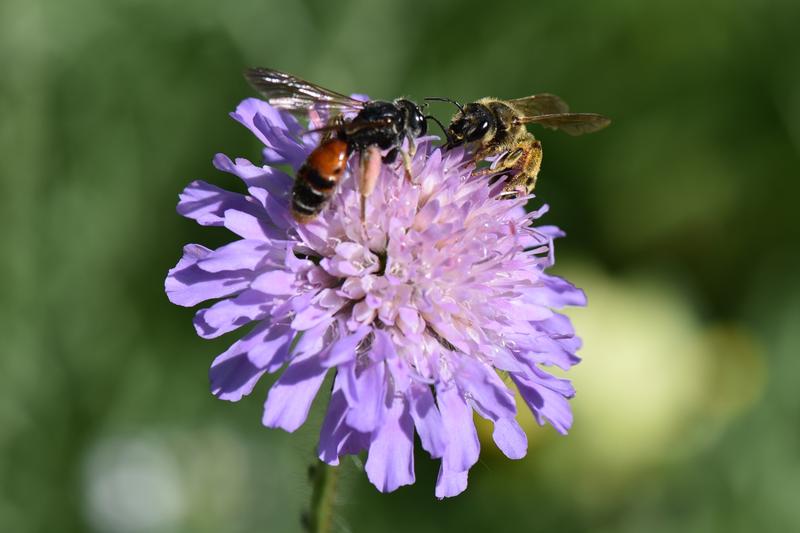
(571, 123)
(540, 104)
(291, 93)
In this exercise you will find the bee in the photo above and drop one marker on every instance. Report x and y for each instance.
(377, 126)
(497, 127)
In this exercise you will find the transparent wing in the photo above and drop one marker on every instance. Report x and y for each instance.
(571, 123)
(291, 93)
(540, 104)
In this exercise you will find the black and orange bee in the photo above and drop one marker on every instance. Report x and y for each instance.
(377, 126)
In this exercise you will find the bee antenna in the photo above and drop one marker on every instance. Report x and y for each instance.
(444, 99)
(446, 133)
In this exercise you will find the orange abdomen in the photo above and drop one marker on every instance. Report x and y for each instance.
(329, 159)
(317, 179)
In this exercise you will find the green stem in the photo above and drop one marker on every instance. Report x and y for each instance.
(319, 518)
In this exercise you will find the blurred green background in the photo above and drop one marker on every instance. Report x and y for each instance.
(683, 228)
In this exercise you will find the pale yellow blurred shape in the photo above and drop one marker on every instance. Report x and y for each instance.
(738, 381)
(655, 386)
(740, 370)
(643, 372)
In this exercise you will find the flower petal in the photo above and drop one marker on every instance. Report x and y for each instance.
(278, 212)
(276, 282)
(207, 203)
(370, 389)
(564, 292)
(545, 403)
(426, 215)
(344, 349)
(260, 181)
(323, 306)
(272, 350)
(271, 118)
(227, 315)
(238, 255)
(450, 483)
(281, 148)
(313, 341)
(427, 420)
(188, 285)
(510, 438)
(289, 399)
(335, 436)
(463, 446)
(248, 226)
(390, 463)
(526, 311)
(233, 374)
(555, 344)
(485, 390)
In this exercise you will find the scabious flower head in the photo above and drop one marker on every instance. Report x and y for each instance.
(431, 310)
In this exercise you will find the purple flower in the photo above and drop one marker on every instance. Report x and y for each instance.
(424, 314)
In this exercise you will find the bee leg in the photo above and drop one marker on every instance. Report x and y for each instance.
(533, 166)
(407, 165)
(412, 147)
(392, 155)
(368, 177)
(488, 171)
(527, 170)
(499, 166)
(485, 152)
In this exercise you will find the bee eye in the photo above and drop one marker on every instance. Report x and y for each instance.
(418, 123)
(423, 125)
(477, 130)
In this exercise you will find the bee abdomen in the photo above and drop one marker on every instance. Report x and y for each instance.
(306, 202)
(317, 179)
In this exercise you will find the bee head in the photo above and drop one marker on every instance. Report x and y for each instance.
(415, 123)
(470, 124)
